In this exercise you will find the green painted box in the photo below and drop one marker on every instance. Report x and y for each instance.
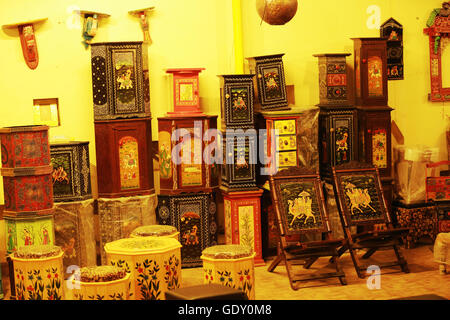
(23, 231)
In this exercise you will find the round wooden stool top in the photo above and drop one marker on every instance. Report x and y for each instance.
(154, 231)
(227, 251)
(37, 252)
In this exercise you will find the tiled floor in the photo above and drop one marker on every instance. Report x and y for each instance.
(423, 279)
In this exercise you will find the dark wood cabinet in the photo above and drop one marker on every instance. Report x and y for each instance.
(194, 216)
(375, 138)
(337, 137)
(71, 171)
(236, 100)
(238, 171)
(187, 137)
(120, 80)
(269, 82)
(333, 84)
(124, 157)
(370, 69)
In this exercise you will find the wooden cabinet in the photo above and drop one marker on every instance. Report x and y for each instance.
(185, 91)
(192, 170)
(370, 71)
(242, 214)
(269, 82)
(333, 78)
(282, 141)
(239, 162)
(124, 157)
(71, 171)
(375, 137)
(337, 137)
(120, 80)
(236, 100)
(194, 216)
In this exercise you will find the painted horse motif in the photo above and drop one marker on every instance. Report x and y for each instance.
(301, 207)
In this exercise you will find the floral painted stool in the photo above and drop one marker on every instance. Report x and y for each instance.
(100, 283)
(39, 273)
(153, 262)
(232, 266)
(156, 230)
(442, 251)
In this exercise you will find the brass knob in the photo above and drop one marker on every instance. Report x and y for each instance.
(227, 96)
(332, 130)
(259, 76)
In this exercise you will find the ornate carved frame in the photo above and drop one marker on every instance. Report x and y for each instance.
(438, 28)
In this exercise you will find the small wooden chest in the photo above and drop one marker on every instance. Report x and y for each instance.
(71, 171)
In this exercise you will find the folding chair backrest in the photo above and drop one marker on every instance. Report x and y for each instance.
(298, 200)
(360, 195)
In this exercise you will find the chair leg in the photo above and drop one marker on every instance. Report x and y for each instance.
(356, 263)
(369, 253)
(401, 259)
(340, 252)
(309, 263)
(275, 263)
(337, 265)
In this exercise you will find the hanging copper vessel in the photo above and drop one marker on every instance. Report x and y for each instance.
(276, 12)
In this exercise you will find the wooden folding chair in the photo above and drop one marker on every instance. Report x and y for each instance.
(361, 203)
(297, 197)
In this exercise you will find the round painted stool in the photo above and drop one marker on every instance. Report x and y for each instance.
(156, 230)
(154, 264)
(39, 273)
(100, 283)
(232, 266)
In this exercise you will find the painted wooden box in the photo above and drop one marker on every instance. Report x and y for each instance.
(25, 147)
(232, 266)
(375, 147)
(269, 82)
(26, 231)
(71, 171)
(282, 140)
(443, 212)
(118, 217)
(337, 137)
(236, 100)
(185, 91)
(242, 215)
(238, 171)
(333, 84)
(421, 218)
(38, 273)
(194, 216)
(392, 31)
(124, 157)
(120, 80)
(74, 226)
(193, 168)
(370, 65)
(26, 170)
(97, 288)
(154, 265)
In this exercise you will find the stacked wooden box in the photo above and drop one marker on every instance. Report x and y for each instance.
(123, 137)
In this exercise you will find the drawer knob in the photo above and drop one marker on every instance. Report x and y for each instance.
(227, 96)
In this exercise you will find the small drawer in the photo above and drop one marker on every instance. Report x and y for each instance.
(285, 143)
(287, 159)
(285, 126)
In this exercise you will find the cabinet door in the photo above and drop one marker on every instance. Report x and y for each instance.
(378, 142)
(374, 69)
(342, 147)
(131, 154)
(239, 104)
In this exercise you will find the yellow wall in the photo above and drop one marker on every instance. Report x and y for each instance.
(326, 26)
(199, 33)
